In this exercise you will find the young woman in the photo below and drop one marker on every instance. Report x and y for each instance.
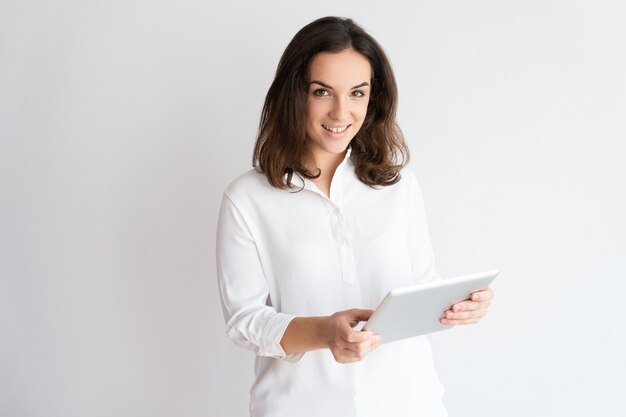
(317, 234)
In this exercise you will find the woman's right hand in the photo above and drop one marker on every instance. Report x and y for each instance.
(346, 344)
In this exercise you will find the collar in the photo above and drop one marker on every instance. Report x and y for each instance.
(298, 182)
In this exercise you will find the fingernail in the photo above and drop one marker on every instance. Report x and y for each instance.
(475, 297)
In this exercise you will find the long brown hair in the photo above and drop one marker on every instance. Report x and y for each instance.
(378, 149)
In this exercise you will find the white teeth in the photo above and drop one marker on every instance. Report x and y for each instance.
(335, 129)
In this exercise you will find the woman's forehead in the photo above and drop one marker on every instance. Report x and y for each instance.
(347, 68)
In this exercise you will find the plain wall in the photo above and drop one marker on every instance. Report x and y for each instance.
(122, 122)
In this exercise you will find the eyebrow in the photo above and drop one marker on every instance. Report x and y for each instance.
(364, 84)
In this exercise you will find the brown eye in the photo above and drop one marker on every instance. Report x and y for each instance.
(320, 92)
(358, 93)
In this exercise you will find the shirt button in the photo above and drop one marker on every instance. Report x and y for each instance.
(343, 241)
(337, 211)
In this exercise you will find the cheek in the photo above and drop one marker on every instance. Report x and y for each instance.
(361, 111)
(314, 110)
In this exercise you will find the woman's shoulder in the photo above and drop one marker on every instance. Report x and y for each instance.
(408, 175)
(411, 184)
(407, 181)
(250, 186)
(250, 181)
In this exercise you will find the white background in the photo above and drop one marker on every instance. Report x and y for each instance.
(122, 122)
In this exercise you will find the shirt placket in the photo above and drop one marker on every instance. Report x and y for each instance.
(342, 242)
(339, 228)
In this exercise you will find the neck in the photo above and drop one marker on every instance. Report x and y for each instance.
(327, 166)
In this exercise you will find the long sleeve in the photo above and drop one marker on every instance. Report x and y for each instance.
(250, 322)
(422, 256)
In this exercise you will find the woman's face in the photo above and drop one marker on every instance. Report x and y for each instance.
(339, 90)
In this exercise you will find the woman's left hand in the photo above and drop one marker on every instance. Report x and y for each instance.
(469, 311)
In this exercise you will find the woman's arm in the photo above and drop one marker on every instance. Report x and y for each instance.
(250, 322)
(333, 332)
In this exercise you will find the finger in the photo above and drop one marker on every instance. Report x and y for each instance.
(360, 350)
(452, 322)
(451, 318)
(346, 356)
(376, 341)
(469, 306)
(484, 295)
(463, 315)
(353, 336)
(446, 321)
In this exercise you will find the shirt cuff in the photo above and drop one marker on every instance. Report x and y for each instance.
(273, 334)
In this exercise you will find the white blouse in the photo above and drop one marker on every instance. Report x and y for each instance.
(282, 254)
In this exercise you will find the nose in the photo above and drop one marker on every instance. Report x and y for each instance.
(339, 109)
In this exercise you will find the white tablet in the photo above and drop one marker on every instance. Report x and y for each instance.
(416, 310)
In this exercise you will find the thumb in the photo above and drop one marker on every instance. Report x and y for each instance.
(358, 314)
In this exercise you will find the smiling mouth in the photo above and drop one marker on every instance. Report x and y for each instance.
(336, 129)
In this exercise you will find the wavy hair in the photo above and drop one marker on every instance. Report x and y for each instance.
(379, 151)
